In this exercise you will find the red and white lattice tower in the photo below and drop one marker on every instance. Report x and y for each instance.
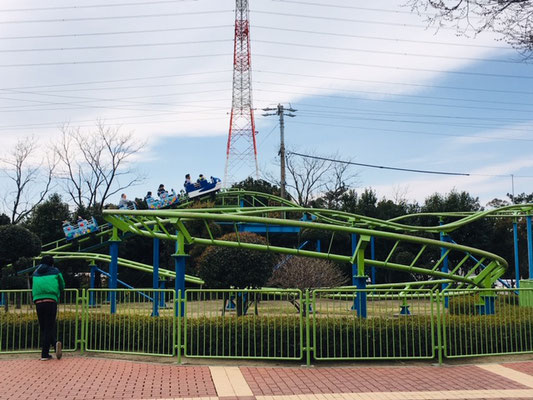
(241, 153)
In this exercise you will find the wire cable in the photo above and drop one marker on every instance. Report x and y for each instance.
(437, 43)
(144, 3)
(420, 171)
(122, 60)
(143, 31)
(468, 73)
(117, 46)
(113, 17)
(394, 83)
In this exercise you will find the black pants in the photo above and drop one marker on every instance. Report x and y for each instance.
(46, 313)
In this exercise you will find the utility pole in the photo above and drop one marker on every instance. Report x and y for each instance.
(281, 111)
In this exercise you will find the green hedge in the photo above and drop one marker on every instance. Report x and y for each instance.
(20, 331)
(284, 336)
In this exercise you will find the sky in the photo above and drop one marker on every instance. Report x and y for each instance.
(371, 83)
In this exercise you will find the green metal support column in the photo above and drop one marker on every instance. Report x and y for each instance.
(179, 265)
(155, 278)
(360, 278)
(516, 256)
(529, 246)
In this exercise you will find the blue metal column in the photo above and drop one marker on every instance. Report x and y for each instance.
(318, 245)
(91, 283)
(155, 278)
(529, 247)
(516, 259)
(373, 257)
(179, 266)
(113, 269)
(2, 299)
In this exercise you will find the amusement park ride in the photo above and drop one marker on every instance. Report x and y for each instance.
(240, 211)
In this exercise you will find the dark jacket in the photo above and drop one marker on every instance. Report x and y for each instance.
(48, 283)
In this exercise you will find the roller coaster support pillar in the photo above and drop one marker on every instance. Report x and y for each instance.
(516, 259)
(2, 300)
(179, 265)
(92, 283)
(318, 246)
(444, 238)
(155, 278)
(359, 278)
(113, 269)
(529, 247)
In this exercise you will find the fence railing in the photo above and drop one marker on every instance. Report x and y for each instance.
(488, 322)
(244, 324)
(396, 324)
(134, 326)
(19, 327)
(324, 324)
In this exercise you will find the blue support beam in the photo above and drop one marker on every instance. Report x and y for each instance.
(113, 274)
(155, 277)
(92, 282)
(516, 259)
(318, 245)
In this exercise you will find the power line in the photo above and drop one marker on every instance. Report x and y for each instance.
(455, 124)
(420, 171)
(307, 3)
(116, 46)
(114, 33)
(111, 61)
(397, 94)
(396, 53)
(114, 17)
(462, 107)
(141, 78)
(437, 43)
(413, 132)
(351, 20)
(144, 3)
(485, 74)
(396, 83)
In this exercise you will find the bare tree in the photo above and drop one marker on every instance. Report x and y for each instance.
(94, 165)
(307, 273)
(31, 180)
(512, 19)
(311, 176)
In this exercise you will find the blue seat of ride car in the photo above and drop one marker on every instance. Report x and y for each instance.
(190, 187)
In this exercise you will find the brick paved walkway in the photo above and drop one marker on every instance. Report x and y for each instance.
(83, 378)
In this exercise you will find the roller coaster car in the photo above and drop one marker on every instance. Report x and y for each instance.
(130, 205)
(165, 200)
(203, 187)
(84, 227)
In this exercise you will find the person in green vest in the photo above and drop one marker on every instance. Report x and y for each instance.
(48, 284)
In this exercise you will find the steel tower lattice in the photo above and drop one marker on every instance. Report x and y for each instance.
(241, 152)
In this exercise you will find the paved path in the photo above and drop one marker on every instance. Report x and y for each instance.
(84, 378)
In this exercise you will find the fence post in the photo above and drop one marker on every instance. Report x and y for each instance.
(83, 320)
(439, 327)
(307, 329)
(178, 306)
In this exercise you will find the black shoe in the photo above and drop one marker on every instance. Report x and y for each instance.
(59, 350)
(49, 357)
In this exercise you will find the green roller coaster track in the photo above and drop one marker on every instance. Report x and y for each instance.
(469, 267)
